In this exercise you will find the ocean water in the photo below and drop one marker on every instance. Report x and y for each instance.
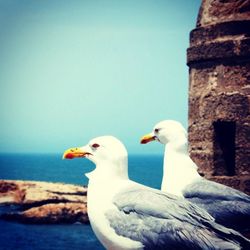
(50, 167)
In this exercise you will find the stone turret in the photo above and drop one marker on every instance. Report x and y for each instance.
(219, 92)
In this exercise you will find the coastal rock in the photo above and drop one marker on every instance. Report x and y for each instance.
(44, 202)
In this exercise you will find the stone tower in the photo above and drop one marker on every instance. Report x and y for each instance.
(219, 92)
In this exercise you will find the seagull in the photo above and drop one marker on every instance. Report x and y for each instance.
(127, 215)
(228, 206)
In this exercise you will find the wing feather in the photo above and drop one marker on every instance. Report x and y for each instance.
(158, 220)
(228, 206)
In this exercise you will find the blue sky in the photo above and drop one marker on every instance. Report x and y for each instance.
(74, 70)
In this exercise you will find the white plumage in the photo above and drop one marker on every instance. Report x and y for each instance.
(228, 206)
(127, 215)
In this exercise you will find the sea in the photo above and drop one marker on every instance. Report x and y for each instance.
(145, 169)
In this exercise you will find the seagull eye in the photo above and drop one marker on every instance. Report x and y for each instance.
(95, 145)
(156, 130)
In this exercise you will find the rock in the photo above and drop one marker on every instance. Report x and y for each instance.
(44, 202)
(51, 214)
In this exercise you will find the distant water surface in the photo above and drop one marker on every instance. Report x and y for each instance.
(50, 167)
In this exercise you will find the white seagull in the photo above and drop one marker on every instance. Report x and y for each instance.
(127, 215)
(228, 206)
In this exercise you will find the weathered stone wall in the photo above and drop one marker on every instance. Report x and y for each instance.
(219, 91)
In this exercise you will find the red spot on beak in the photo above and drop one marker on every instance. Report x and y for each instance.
(69, 156)
(144, 141)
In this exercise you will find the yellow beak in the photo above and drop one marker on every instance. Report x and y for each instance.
(148, 138)
(72, 153)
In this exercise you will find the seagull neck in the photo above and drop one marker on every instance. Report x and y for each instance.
(179, 170)
(106, 171)
(178, 145)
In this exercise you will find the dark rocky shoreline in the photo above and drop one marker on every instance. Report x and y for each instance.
(38, 202)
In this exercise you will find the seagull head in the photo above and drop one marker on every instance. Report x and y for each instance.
(167, 131)
(104, 150)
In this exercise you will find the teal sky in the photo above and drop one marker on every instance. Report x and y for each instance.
(74, 70)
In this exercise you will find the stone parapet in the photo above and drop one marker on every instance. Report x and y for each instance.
(219, 92)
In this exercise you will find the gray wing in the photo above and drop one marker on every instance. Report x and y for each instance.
(206, 189)
(161, 221)
(228, 206)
